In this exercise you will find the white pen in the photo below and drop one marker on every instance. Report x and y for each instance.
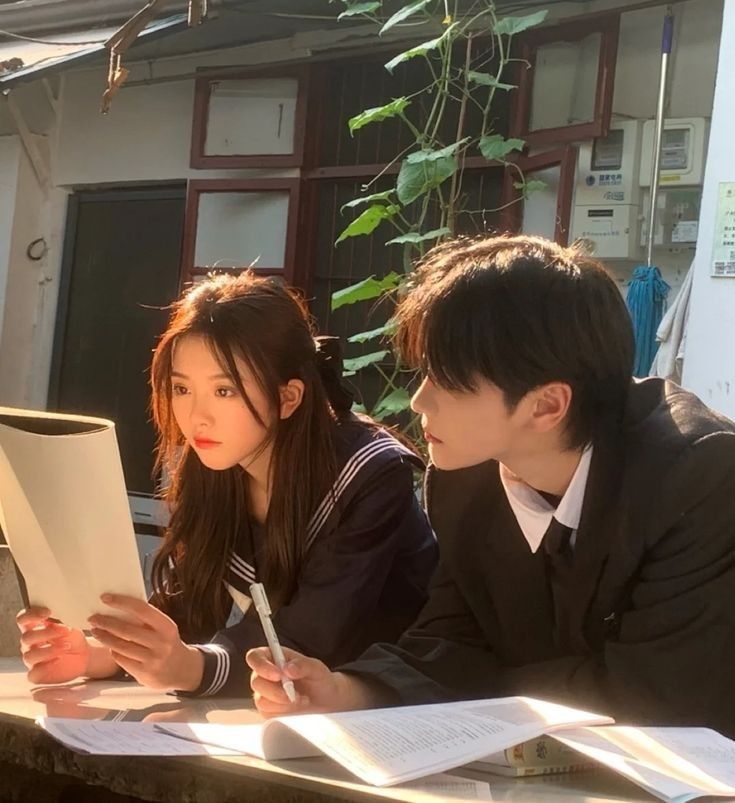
(262, 606)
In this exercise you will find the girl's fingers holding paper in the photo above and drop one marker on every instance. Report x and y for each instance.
(142, 610)
(120, 646)
(32, 617)
(42, 635)
(126, 631)
(41, 654)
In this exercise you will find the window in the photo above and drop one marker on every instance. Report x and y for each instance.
(249, 120)
(566, 75)
(547, 210)
(234, 224)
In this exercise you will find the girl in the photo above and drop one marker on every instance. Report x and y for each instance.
(271, 478)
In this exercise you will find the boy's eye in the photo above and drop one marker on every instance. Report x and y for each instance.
(179, 390)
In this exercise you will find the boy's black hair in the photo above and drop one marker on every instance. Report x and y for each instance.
(521, 312)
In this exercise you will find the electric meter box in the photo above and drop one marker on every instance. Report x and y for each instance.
(607, 192)
(607, 167)
(677, 216)
(613, 230)
(683, 148)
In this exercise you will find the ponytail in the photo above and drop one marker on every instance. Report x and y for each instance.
(329, 366)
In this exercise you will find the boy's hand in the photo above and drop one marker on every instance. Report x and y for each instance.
(147, 645)
(52, 652)
(318, 688)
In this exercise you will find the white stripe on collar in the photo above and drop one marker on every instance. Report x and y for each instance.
(350, 469)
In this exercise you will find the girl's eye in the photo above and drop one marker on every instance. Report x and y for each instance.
(179, 390)
(225, 393)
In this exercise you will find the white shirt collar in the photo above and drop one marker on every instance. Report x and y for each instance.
(534, 513)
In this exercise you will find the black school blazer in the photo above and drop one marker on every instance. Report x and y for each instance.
(650, 596)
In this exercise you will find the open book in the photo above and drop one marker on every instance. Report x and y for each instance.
(392, 745)
(388, 746)
(64, 512)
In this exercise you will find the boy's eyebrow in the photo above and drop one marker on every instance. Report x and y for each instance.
(179, 375)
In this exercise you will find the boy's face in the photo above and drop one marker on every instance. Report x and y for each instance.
(466, 428)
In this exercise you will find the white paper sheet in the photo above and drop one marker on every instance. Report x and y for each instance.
(108, 738)
(675, 764)
(65, 513)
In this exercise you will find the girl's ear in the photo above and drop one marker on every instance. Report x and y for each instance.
(291, 395)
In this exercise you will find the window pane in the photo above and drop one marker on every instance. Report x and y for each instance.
(251, 117)
(565, 83)
(539, 209)
(235, 229)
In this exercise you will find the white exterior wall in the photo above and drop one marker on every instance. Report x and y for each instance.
(709, 361)
(146, 138)
(10, 151)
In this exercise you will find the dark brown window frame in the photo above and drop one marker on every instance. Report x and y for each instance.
(512, 199)
(199, 159)
(608, 26)
(197, 187)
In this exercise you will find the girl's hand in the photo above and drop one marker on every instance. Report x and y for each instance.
(146, 644)
(52, 652)
(318, 688)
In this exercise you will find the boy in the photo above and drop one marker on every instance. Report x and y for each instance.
(586, 521)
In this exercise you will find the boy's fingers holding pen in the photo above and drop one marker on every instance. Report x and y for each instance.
(269, 689)
(261, 662)
(271, 708)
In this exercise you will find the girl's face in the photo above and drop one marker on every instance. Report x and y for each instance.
(209, 410)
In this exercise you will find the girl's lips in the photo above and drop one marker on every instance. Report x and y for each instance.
(429, 438)
(204, 443)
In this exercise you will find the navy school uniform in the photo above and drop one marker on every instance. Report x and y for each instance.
(371, 554)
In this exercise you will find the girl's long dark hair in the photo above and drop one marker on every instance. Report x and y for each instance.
(268, 327)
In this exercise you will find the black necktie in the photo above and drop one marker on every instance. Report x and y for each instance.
(559, 556)
(557, 540)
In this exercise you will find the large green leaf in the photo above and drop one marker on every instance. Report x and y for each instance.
(514, 25)
(418, 237)
(528, 187)
(419, 50)
(358, 363)
(365, 290)
(379, 113)
(368, 199)
(416, 179)
(432, 156)
(403, 14)
(496, 146)
(368, 221)
(361, 8)
(423, 170)
(382, 331)
(394, 403)
(485, 79)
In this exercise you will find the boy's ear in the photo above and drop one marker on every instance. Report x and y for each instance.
(551, 405)
(292, 393)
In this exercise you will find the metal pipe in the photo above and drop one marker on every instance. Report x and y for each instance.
(666, 44)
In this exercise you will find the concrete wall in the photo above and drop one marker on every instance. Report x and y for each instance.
(146, 138)
(709, 361)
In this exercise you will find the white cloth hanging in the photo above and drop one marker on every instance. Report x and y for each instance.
(671, 335)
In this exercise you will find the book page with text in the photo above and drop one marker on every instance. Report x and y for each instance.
(391, 745)
(674, 764)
